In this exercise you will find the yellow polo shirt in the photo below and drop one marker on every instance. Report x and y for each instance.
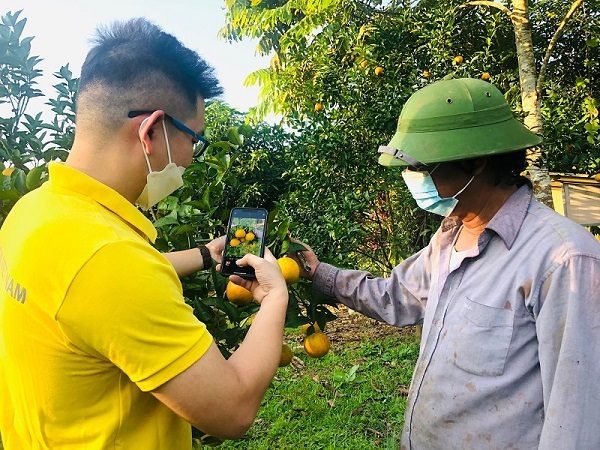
(92, 318)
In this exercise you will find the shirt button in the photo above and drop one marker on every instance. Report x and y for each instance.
(438, 323)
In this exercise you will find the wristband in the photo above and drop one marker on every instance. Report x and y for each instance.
(206, 259)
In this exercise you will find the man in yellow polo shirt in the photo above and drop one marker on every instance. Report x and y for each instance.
(98, 349)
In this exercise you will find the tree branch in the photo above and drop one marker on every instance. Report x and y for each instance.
(491, 4)
(557, 35)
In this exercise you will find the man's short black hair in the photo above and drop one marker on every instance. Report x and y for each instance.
(505, 168)
(136, 65)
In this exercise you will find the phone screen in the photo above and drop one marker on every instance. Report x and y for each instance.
(246, 233)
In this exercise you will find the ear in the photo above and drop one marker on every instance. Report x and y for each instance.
(146, 127)
(474, 166)
(479, 166)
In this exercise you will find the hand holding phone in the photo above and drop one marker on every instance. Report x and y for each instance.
(246, 233)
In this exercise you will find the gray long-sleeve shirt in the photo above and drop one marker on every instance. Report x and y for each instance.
(510, 350)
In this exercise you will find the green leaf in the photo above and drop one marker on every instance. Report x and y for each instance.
(34, 177)
(592, 42)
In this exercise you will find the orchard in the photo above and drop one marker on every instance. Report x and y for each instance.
(339, 94)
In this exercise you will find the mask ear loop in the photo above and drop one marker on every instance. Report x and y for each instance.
(167, 141)
(466, 186)
(436, 166)
(142, 142)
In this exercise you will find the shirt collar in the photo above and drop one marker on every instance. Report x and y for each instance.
(508, 220)
(69, 178)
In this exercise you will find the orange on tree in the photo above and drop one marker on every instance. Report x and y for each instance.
(378, 70)
(597, 177)
(364, 63)
(235, 242)
(426, 73)
(240, 233)
(250, 237)
(316, 345)
(238, 295)
(319, 106)
(485, 76)
(8, 171)
(457, 60)
(286, 355)
(290, 269)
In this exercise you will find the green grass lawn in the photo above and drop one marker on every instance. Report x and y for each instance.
(353, 398)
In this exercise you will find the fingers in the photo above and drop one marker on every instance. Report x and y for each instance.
(216, 247)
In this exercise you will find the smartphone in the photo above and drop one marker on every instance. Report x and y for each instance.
(246, 233)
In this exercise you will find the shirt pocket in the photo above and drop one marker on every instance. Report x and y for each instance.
(483, 338)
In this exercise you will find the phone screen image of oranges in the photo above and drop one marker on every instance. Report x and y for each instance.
(245, 237)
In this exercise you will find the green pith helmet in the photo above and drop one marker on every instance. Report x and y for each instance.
(455, 119)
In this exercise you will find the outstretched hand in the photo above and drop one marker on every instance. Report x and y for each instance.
(306, 259)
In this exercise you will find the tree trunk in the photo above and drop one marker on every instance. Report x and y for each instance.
(530, 98)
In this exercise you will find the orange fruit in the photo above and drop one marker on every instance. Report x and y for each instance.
(378, 70)
(250, 236)
(238, 295)
(315, 326)
(316, 345)
(240, 233)
(364, 63)
(597, 177)
(8, 171)
(319, 106)
(457, 60)
(235, 242)
(290, 269)
(485, 76)
(286, 355)
(426, 73)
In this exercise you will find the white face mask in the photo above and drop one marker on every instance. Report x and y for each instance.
(162, 183)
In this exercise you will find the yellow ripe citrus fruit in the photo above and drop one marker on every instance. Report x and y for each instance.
(597, 177)
(250, 237)
(426, 73)
(315, 326)
(316, 345)
(485, 76)
(378, 70)
(290, 269)
(240, 233)
(8, 171)
(238, 295)
(364, 63)
(286, 355)
(319, 106)
(458, 59)
(234, 242)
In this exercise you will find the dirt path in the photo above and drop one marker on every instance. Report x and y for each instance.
(350, 328)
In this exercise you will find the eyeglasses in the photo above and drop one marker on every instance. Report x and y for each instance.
(200, 142)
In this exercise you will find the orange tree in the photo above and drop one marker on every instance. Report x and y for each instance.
(242, 167)
(27, 141)
(325, 82)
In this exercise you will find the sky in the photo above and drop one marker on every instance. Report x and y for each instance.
(62, 29)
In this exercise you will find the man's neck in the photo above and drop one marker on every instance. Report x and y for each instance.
(475, 223)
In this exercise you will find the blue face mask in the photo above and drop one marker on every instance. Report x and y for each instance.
(423, 190)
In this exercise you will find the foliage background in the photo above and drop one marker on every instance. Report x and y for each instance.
(316, 171)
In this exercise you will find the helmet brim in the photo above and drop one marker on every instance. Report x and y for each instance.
(463, 143)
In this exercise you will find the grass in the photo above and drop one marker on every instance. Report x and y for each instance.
(352, 398)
